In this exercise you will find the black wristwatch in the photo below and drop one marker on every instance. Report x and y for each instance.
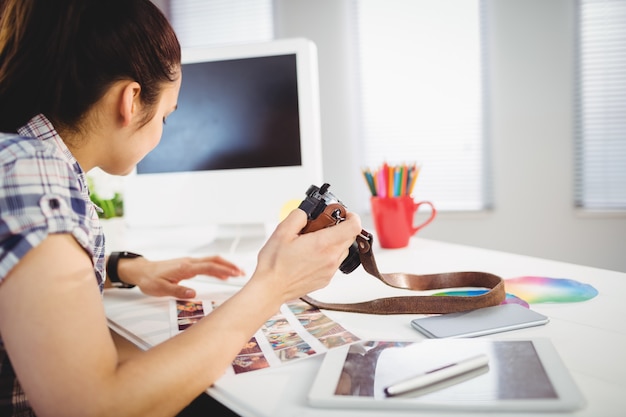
(114, 258)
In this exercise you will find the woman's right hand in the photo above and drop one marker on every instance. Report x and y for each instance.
(294, 264)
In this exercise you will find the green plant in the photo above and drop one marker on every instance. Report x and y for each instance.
(111, 207)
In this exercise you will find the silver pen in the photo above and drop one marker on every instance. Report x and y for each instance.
(437, 375)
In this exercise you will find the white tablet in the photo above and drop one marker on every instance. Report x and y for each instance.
(520, 375)
(480, 322)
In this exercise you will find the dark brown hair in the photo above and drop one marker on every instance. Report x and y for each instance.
(58, 57)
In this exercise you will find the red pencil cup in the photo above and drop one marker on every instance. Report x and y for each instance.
(393, 219)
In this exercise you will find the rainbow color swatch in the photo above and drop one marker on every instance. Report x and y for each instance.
(549, 290)
(531, 289)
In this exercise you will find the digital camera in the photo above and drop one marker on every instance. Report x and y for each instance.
(323, 209)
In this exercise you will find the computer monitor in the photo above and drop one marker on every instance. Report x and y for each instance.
(244, 140)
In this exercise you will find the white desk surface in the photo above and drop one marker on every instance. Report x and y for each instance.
(590, 336)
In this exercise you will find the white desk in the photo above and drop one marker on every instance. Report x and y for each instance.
(590, 336)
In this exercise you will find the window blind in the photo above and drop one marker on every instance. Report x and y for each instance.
(600, 132)
(422, 89)
(219, 22)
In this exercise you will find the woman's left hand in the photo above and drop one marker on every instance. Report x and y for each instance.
(161, 278)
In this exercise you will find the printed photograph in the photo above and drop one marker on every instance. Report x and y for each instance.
(302, 350)
(185, 322)
(313, 319)
(300, 307)
(277, 324)
(339, 339)
(188, 312)
(282, 340)
(326, 329)
(189, 308)
(251, 347)
(247, 363)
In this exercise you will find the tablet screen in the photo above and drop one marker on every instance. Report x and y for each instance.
(516, 371)
(521, 375)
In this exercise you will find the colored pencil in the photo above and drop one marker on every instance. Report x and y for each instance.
(391, 180)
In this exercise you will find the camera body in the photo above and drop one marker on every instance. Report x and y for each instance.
(323, 210)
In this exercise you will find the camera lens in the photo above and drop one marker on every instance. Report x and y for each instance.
(352, 261)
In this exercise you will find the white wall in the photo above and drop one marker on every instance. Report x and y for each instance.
(531, 77)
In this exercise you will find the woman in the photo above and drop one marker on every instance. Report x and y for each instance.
(84, 84)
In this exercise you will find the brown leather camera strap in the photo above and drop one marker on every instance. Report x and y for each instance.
(426, 304)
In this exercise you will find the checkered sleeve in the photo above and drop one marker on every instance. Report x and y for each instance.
(39, 195)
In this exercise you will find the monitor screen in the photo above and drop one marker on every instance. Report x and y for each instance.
(244, 140)
(232, 114)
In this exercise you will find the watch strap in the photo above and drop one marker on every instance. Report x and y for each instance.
(112, 264)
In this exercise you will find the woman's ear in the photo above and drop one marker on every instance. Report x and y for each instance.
(129, 103)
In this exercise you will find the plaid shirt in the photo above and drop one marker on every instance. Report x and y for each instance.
(43, 191)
